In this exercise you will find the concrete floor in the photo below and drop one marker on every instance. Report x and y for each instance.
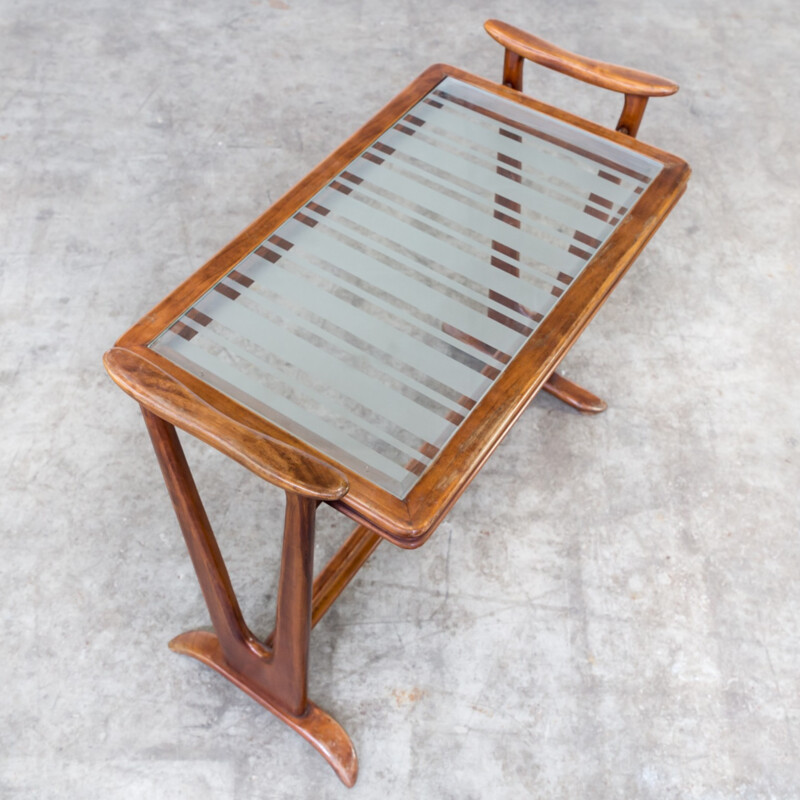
(612, 609)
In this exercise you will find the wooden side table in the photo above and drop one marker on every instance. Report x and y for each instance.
(373, 336)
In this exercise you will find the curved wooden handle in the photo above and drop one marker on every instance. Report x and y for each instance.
(599, 73)
(273, 460)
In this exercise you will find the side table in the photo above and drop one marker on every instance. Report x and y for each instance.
(373, 336)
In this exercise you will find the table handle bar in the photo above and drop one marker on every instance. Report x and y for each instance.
(637, 86)
(275, 461)
(598, 73)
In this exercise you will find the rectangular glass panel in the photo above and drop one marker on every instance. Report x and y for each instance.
(372, 321)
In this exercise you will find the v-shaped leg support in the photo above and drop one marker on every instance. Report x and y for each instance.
(276, 676)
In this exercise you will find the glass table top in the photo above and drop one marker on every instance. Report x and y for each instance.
(373, 320)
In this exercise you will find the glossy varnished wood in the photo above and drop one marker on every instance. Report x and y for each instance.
(408, 522)
(637, 86)
(333, 579)
(274, 671)
(168, 398)
(315, 725)
(632, 112)
(589, 70)
(573, 395)
(276, 675)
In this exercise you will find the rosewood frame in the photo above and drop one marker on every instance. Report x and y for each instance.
(274, 671)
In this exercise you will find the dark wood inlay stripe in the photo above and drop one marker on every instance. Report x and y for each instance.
(510, 323)
(231, 294)
(454, 417)
(513, 305)
(266, 253)
(601, 201)
(467, 338)
(593, 212)
(609, 177)
(428, 450)
(576, 251)
(506, 203)
(505, 250)
(556, 291)
(507, 173)
(348, 176)
(237, 276)
(581, 151)
(340, 187)
(306, 220)
(405, 129)
(434, 103)
(414, 120)
(505, 218)
(564, 278)
(584, 238)
(417, 467)
(281, 242)
(510, 135)
(512, 162)
(505, 266)
(318, 208)
(384, 148)
(183, 331)
(372, 157)
(199, 317)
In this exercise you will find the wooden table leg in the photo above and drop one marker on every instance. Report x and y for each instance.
(573, 395)
(275, 676)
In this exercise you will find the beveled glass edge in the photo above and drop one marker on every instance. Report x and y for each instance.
(407, 523)
(570, 122)
(530, 368)
(568, 135)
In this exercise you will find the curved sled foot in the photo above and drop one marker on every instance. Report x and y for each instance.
(316, 726)
(573, 395)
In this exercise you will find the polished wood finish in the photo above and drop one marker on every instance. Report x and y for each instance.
(410, 521)
(573, 395)
(637, 86)
(341, 569)
(274, 672)
(277, 675)
(280, 464)
(316, 726)
(589, 70)
(338, 572)
(513, 65)
(632, 112)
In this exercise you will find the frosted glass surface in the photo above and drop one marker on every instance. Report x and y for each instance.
(373, 320)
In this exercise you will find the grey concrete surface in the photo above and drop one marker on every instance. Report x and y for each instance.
(612, 609)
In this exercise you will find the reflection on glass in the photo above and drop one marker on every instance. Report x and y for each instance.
(371, 322)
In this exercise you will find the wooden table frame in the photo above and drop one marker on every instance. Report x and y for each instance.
(274, 671)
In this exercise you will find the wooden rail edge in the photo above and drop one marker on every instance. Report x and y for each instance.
(589, 70)
(276, 462)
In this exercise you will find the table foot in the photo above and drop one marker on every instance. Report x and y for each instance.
(573, 395)
(316, 726)
(274, 675)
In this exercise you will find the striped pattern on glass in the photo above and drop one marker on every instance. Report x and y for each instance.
(371, 322)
